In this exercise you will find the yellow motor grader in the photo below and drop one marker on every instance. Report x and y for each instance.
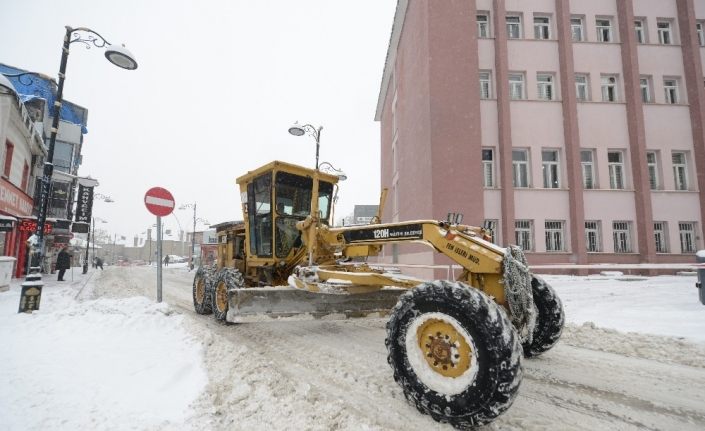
(455, 346)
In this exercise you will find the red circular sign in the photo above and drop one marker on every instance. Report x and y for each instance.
(159, 201)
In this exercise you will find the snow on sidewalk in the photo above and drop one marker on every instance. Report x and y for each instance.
(94, 364)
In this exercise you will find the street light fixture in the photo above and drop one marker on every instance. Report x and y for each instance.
(299, 130)
(88, 240)
(193, 235)
(330, 169)
(118, 56)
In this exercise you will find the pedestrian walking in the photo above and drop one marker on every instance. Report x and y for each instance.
(166, 260)
(63, 262)
(99, 263)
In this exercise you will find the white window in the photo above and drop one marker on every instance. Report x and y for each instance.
(645, 84)
(604, 29)
(516, 86)
(592, 236)
(542, 27)
(687, 234)
(660, 232)
(587, 164)
(576, 29)
(652, 165)
(554, 235)
(640, 30)
(483, 26)
(545, 86)
(523, 234)
(670, 87)
(665, 34)
(581, 87)
(513, 26)
(609, 88)
(488, 167)
(615, 163)
(520, 166)
(700, 28)
(491, 226)
(485, 85)
(680, 172)
(551, 177)
(621, 231)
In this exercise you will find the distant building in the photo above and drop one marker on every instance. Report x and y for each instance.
(362, 214)
(575, 129)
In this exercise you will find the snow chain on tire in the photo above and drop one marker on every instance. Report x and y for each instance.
(202, 298)
(549, 320)
(455, 353)
(517, 290)
(225, 280)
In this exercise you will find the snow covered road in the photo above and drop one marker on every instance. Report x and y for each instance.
(323, 375)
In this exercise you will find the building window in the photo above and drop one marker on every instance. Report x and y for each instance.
(665, 35)
(25, 177)
(592, 236)
(513, 26)
(645, 84)
(576, 29)
(9, 151)
(545, 86)
(485, 85)
(621, 231)
(670, 87)
(587, 164)
(523, 233)
(687, 234)
(554, 235)
(492, 227)
(551, 175)
(488, 167)
(640, 30)
(581, 87)
(660, 237)
(542, 27)
(609, 88)
(680, 172)
(483, 26)
(604, 30)
(520, 166)
(615, 162)
(652, 166)
(700, 29)
(516, 86)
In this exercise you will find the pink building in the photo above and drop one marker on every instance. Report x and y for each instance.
(575, 128)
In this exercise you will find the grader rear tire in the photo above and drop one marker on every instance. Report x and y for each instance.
(226, 279)
(550, 318)
(201, 294)
(455, 353)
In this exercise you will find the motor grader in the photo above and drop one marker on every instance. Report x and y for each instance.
(455, 346)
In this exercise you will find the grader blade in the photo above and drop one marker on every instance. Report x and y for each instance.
(262, 304)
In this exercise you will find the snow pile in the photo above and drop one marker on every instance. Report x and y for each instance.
(95, 364)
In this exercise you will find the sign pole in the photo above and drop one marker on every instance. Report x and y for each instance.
(159, 259)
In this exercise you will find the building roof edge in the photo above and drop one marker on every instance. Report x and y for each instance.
(399, 16)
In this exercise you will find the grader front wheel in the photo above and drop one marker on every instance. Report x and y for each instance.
(455, 353)
(201, 296)
(226, 279)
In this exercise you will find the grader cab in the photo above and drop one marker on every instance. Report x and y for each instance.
(455, 346)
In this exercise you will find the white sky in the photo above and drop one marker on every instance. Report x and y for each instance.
(218, 85)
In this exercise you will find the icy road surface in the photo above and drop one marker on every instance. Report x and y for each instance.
(324, 375)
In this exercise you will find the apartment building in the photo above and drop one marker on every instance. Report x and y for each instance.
(574, 128)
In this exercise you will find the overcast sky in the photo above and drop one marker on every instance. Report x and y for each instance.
(218, 85)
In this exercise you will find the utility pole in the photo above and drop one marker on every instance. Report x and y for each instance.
(193, 239)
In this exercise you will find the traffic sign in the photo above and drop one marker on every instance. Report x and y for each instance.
(159, 201)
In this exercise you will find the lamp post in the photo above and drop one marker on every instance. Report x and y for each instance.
(330, 169)
(299, 130)
(193, 234)
(107, 199)
(118, 56)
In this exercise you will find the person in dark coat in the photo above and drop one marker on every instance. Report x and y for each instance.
(63, 262)
(166, 260)
(99, 263)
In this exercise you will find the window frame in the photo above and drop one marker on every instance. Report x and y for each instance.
(686, 234)
(518, 172)
(9, 153)
(640, 30)
(517, 83)
(665, 35)
(546, 84)
(603, 37)
(591, 165)
(542, 29)
(652, 168)
(671, 91)
(517, 24)
(551, 169)
(593, 228)
(661, 236)
(645, 89)
(524, 233)
(554, 235)
(606, 86)
(622, 228)
(487, 82)
(580, 25)
(617, 182)
(481, 24)
(488, 165)
(680, 182)
(700, 31)
(585, 85)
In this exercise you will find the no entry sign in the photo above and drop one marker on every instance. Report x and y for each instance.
(159, 201)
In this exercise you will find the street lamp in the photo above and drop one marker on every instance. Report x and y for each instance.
(329, 169)
(299, 130)
(107, 199)
(193, 235)
(117, 55)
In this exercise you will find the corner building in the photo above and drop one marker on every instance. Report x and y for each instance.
(574, 128)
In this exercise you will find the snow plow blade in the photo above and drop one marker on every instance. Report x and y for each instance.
(287, 303)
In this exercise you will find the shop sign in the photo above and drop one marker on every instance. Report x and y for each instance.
(30, 298)
(84, 206)
(13, 201)
(31, 226)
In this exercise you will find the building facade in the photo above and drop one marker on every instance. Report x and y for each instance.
(573, 128)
